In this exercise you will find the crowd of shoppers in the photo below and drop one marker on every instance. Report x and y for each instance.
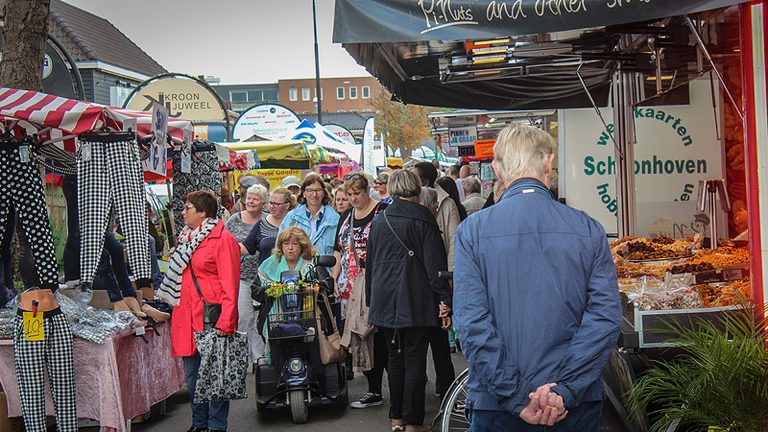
(391, 243)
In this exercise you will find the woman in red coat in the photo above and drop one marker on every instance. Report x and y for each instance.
(213, 253)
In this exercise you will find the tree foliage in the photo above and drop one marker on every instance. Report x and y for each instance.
(25, 31)
(403, 126)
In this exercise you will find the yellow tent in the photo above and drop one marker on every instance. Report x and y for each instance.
(284, 150)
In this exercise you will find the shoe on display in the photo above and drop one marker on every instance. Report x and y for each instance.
(155, 314)
(368, 400)
(134, 306)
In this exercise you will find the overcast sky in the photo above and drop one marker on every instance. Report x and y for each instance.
(239, 41)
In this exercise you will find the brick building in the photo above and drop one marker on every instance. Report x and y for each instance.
(338, 94)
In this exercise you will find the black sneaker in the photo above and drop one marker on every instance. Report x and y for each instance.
(368, 400)
(194, 429)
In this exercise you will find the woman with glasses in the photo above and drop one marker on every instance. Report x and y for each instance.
(380, 186)
(368, 347)
(263, 235)
(314, 214)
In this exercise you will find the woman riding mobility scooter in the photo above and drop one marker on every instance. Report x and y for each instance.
(294, 309)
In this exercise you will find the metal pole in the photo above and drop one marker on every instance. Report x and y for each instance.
(623, 104)
(318, 92)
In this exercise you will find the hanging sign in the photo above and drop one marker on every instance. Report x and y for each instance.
(157, 161)
(462, 136)
(183, 96)
(369, 164)
(484, 148)
(186, 152)
(269, 121)
(341, 132)
(677, 145)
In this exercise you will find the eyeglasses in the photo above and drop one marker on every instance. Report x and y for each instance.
(313, 191)
(274, 204)
(379, 183)
(189, 207)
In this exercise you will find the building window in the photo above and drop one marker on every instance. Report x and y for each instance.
(270, 95)
(238, 96)
(340, 93)
(366, 92)
(255, 96)
(293, 94)
(305, 94)
(353, 92)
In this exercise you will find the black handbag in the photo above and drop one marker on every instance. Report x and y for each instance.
(211, 311)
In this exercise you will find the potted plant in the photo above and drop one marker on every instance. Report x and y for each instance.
(720, 380)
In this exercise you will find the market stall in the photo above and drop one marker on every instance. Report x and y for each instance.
(638, 58)
(103, 151)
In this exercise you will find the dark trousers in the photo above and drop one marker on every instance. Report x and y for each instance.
(583, 418)
(407, 372)
(209, 415)
(375, 376)
(441, 356)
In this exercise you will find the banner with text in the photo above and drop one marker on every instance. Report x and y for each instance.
(676, 147)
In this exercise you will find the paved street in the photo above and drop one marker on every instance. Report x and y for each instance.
(243, 416)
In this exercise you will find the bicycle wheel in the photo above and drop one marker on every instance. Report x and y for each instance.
(453, 417)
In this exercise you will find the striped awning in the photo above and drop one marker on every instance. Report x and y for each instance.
(61, 119)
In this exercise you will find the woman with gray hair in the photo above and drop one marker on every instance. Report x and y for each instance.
(407, 298)
(240, 225)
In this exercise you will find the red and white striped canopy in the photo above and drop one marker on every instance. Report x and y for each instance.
(56, 117)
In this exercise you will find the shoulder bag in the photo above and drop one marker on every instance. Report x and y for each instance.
(331, 350)
(211, 311)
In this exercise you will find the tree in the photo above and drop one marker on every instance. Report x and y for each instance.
(25, 31)
(403, 126)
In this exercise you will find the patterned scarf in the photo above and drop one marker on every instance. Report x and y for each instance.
(188, 241)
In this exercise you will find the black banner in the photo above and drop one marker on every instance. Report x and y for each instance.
(361, 21)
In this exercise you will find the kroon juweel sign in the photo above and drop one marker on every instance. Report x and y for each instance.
(676, 147)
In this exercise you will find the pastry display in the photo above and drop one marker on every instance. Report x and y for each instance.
(658, 248)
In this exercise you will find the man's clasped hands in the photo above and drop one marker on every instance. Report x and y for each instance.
(545, 407)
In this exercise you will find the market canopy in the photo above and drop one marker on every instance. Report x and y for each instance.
(274, 154)
(496, 55)
(59, 117)
(365, 21)
(317, 134)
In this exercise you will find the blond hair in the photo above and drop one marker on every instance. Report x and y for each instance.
(295, 233)
(522, 151)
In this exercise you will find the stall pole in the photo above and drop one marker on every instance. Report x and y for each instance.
(624, 100)
(753, 56)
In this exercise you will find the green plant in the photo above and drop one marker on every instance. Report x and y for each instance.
(720, 380)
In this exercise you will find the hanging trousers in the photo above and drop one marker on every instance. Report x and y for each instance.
(112, 176)
(22, 188)
(32, 358)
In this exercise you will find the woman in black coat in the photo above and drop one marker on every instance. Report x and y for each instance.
(406, 298)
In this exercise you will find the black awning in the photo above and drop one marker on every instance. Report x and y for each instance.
(360, 21)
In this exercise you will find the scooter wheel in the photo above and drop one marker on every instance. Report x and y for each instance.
(299, 408)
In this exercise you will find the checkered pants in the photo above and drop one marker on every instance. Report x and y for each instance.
(32, 358)
(22, 187)
(112, 178)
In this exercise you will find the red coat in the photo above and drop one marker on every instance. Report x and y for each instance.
(217, 267)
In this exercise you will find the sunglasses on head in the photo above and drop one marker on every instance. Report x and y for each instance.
(352, 176)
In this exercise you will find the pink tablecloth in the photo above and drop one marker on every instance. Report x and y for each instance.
(115, 381)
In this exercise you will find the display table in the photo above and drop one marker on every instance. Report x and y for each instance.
(116, 381)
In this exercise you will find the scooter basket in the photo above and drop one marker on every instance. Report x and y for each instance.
(293, 317)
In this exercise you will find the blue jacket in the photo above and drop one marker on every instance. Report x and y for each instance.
(536, 300)
(325, 236)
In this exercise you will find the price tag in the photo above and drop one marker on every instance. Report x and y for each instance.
(24, 153)
(34, 327)
(85, 151)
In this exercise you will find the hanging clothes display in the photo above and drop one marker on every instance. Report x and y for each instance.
(22, 187)
(52, 352)
(204, 175)
(109, 175)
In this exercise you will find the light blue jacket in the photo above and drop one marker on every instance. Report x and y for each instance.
(536, 300)
(325, 236)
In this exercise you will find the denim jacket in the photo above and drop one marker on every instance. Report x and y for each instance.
(536, 300)
(324, 236)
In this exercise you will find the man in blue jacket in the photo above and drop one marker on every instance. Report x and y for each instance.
(536, 300)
